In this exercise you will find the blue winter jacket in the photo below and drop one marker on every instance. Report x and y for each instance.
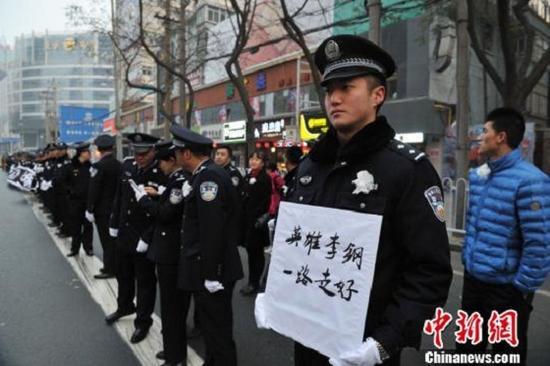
(508, 224)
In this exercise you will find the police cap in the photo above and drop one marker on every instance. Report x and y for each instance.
(164, 150)
(81, 146)
(141, 142)
(104, 142)
(346, 56)
(184, 137)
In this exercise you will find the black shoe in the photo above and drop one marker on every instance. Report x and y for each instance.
(103, 276)
(111, 318)
(139, 335)
(102, 270)
(89, 253)
(172, 364)
(53, 224)
(160, 355)
(249, 290)
(72, 254)
(62, 234)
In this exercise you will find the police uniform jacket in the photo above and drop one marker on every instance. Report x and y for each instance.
(131, 220)
(209, 235)
(256, 201)
(60, 176)
(78, 179)
(104, 176)
(164, 237)
(413, 272)
(236, 177)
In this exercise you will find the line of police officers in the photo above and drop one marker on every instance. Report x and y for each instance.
(168, 214)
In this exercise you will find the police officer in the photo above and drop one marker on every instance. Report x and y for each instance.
(132, 222)
(293, 155)
(209, 262)
(60, 190)
(78, 181)
(223, 157)
(104, 176)
(164, 246)
(413, 272)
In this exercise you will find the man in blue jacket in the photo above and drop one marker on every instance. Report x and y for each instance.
(506, 252)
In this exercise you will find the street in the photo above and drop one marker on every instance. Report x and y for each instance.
(52, 315)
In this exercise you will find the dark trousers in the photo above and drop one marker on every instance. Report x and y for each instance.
(108, 243)
(61, 212)
(304, 356)
(256, 263)
(484, 298)
(216, 317)
(174, 306)
(132, 268)
(82, 231)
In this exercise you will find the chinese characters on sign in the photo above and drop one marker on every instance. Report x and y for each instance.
(501, 327)
(320, 276)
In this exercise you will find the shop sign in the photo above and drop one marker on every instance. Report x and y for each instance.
(234, 132)
(312, 125)
(213, 132)
(269, 129)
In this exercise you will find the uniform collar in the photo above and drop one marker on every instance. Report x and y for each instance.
(372, 137)
(175, 172)
(201, 165)
(506, 161)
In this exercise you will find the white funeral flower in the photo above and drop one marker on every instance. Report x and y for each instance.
(364, 183)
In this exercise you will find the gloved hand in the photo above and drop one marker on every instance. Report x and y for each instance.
(161, 189)
(213, 286)
(366, 355)
(89, 216)
(139, 191)
(142, 246)
(113, 232)
(259, 312)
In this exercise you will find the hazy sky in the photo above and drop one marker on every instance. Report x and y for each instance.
(25, 16)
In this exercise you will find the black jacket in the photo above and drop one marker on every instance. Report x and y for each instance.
(256, 201)
(104, 176)
(78, 180)
(209, 235)
(132, 220)
(164, 238)
(413, 271)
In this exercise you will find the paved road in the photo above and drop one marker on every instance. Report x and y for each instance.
(45, 308)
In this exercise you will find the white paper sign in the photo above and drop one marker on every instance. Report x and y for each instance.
(320, 276)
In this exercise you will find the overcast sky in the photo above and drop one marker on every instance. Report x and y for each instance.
(25, 16)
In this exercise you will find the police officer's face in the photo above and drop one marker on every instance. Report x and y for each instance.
(351, 103)
(490, 140)
(143, 159)
(85, 155)
(222, 157)
(167, 166)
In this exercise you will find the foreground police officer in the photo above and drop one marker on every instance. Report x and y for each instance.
(78, 181)
(132, 222)
(164, 247)
(413, 272)
(209, 263)
(104, 174)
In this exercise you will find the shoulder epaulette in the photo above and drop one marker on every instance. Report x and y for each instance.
(406, 150)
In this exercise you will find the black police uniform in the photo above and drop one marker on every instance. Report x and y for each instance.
(105, 174)
(413, 272)
(61, 193)
(164, 247)
(236, 177)
(209, 250)
(78, 182)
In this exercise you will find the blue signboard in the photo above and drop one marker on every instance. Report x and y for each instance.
(79, 123)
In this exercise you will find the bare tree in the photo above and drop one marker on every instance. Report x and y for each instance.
(521, 72)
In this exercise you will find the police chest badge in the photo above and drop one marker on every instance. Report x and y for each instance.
(176, 196)
(364, 183)
(209, 191)
(235, 181)
(435, 199)
(93, 172)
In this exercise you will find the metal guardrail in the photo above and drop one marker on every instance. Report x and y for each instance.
(453, 191)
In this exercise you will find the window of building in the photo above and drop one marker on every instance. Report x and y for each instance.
(213, 14)
(32, 108)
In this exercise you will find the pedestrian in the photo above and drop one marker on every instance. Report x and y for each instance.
(104, 177)
(505, 254)
(164, 246)
(277, 188)
(413, 273)
(293, 155)
(209, 262)
(131, 221)
(78, 182)
(256, 203)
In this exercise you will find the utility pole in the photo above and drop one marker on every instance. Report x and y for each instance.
(463, 100)
(114, 25)
(374, 8)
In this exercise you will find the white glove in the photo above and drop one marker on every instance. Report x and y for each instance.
(259, 312)
(139, 191)
(366, 355)
(89, 216)
(142, 246)
(113, 232)
(45, 185)
(161, 189)
(213, 286)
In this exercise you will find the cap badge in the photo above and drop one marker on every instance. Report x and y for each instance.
(332, 50)
(137, 138)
